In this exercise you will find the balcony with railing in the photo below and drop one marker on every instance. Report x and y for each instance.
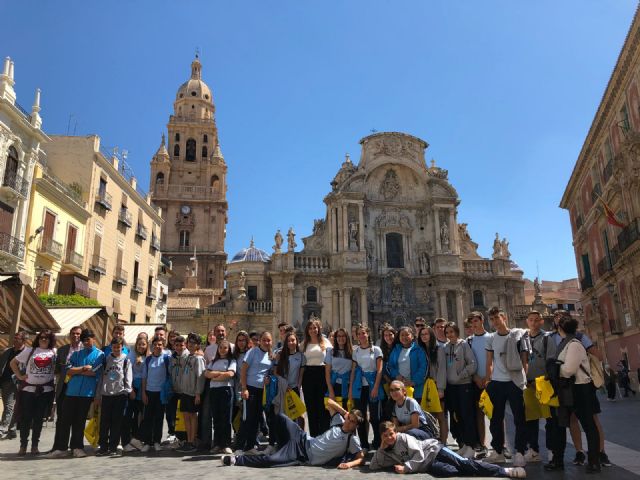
(120, 276)
(137, 285)
(151, 292)
(23, 111)
(73, 260)
(586, 283)
(260, 306)
(311, 263)
(155, 242)
(141, 231)
(11, 246)
(104, 199)
(478, 268)
(98, 265)
(125, 217)
(50, 249)
(629, 235)
(162, 190)
(15, 184)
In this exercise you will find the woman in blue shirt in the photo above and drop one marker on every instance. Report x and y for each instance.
(408, 363)
(255, 366)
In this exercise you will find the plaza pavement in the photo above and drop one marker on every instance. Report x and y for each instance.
(621, 421)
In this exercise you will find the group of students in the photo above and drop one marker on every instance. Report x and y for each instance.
(346, 381)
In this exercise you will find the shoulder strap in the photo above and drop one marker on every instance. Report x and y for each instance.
(545, 341)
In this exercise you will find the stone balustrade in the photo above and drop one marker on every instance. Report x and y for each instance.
(478, 268)
(260, 306)
(311, 263)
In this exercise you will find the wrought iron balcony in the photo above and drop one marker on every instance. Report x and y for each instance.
(14, 182)
(151, 292)
(155, 242)
(137, 285)
(586, 283)
(98, 265)
(104, 199)
(50, 249)
(629, 235)
(11, 245)
(141, 232)
(73, 259)
(125, 217)
(120, 276)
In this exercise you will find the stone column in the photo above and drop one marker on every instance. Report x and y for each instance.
(289, 306)
(345, 228)
(442, 297)
(346, 301)
(453, 233)
(361, 245)
(332, 233)
(335, 304)
(436, 223)
(460, 310)
(364, 307)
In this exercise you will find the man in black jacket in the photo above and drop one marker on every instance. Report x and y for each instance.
(8, 386)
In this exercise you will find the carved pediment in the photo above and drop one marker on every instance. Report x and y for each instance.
(393, 219)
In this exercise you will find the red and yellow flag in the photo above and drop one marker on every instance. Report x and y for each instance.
(610, 214)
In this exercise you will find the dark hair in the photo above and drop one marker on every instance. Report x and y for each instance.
(307, 335)
(194, 338)
(236, 350)
(454, 327)
(46, 333)
(569, 325)
(348, 347)
(439, 320)
(75, 328)
(23, 335)
(419, 319)
(229, 352)
(118, 328)
(158, 328)
(282, 324)
(406, 329)
(534, 312)
(384, 346)
(117, 341)
(497, 311)
(431, 349)
(358, 414)
(253, 334)
(86, 333)
(160, 339)
(386, 425)
(282, 368)
(178, 339)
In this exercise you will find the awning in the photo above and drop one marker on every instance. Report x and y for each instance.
(97, 319)
(131, 331)
(17, 296)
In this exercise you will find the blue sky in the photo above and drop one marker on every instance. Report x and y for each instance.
(504, 92)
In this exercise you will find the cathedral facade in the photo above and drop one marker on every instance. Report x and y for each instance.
(188, 182)
(389, 248)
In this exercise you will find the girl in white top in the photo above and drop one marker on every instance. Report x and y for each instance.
(368, 359)
(314, 383)
(36, 396)
(339, 367)
(221, 371)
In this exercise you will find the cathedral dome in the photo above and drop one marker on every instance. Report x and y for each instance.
(195, 88)
(251, 254)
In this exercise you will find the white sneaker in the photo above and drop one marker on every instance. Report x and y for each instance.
(227, 451)
(129, 448)
(79, 453)
(171, 439)
(467, 452)
(119, 449)
(157, 447)
(494, 457)
(516, 472)
(144, 449)
(532, 456)
(518, 460)
(136, 443)
(270, 450)
(56, 454)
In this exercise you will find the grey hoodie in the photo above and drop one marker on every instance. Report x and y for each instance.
(439, 372)
(186, 373)
(416, 455)
(461, 362)
(542, 348)
(116, 378)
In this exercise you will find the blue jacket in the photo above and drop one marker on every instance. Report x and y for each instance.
(418, 361)
(83, 385)
(344, 378)
(356, 389)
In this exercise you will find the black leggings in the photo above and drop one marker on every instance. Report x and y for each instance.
(249, 424)
(221, 405)
(33, 409)
(314, 387)
(375, 413)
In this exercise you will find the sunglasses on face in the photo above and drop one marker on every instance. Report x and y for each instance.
(395, 389)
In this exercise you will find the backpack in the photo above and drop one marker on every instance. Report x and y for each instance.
(597, 372)
(432, 427)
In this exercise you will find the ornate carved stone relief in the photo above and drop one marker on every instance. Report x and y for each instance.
(390, 186)
(393, 219)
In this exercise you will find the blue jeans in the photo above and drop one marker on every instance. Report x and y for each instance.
(449, 464)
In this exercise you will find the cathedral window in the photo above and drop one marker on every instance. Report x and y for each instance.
(190, 155)
(395, 254)
(193, 94)
(11, 169)
(204, 152)
(160, 179)
(176, 150)
(215, 182)
(177, 137)
(478, 298)
(312, 295)
(184, 238)
(205, 138)
(206, 96)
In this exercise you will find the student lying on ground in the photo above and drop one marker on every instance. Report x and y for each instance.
(407, 454)
(295, 446)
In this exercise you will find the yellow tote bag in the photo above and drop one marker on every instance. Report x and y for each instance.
(545, 393)
(410, 391)
(430, 399)
(293, 406)
(485, 404)
(236, 421)
(92, 429)
(180, 426)
(533, 409)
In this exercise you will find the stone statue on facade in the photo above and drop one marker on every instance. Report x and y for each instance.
(242, 290)
(505, 248)
(390, 187)
(444, 236)
(497, 247)
(353, 235)
(277, 248)
(291, 240)
(536, 286)
(425, 263)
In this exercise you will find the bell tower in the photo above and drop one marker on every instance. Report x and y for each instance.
(188, 181)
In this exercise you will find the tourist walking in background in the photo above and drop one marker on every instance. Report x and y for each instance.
(8, 387)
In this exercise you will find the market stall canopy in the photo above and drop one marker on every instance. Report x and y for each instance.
(20, 308)
(98, 319)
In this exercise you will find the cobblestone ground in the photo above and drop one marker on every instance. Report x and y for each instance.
(621, 421)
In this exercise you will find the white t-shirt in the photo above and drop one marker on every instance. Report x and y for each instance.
(211, 350)
(222, 365)
(498, 345)
(366, 359)
(41, 367)
(332, 443)
(314, 355)
(404, 362)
